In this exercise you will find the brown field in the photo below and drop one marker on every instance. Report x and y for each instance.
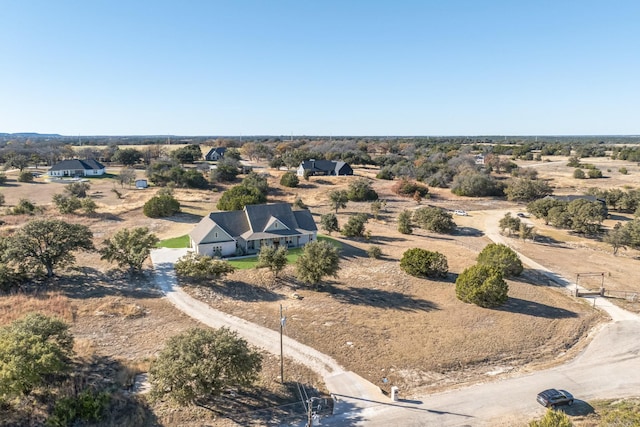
(374, 319)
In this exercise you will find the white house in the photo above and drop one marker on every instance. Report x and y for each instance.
(76, 167)
(245, 232)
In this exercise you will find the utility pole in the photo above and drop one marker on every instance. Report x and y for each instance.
(282, 322)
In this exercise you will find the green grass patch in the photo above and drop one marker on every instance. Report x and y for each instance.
(292, 255)
(175, 242)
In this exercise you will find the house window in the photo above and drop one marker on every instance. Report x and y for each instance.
(215, 234)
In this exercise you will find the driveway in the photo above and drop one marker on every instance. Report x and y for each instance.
(606, 368)
(338, 381)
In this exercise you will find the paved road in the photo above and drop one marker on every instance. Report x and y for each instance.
(608, 367)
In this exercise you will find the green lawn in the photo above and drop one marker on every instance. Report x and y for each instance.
(244, 263)
(292, 255)
(175, 242)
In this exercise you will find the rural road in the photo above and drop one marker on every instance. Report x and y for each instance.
(606, 368)
(609, 367)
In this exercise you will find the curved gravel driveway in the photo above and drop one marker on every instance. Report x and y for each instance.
(606, 368)
(352, 390)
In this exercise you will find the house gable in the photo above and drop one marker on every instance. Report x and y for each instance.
(217, 234)
(274, 224)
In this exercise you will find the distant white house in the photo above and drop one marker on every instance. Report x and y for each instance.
(141, 183)
(479, 159)
(77, 167)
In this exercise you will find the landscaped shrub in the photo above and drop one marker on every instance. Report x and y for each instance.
(237, 197)
(423, 263)
(24, 207)
(25, 176)
(552, 419)
(329, 223)
(161, 206)
(374, 252)
(405, 225)
(483, 286)
(407, 188)
(501, 257)
(289, 179)
(355, 225)
(579, 174)
(594, 173)
(434, 219)
(360, 191)
(87, 406)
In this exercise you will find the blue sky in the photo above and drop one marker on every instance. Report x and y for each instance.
(239, 67)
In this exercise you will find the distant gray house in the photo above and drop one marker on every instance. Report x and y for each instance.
(141, 183)
(77, 167)
(245, 232)
(324, 167)
(215, 154)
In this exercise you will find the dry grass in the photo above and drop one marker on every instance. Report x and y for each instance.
(117, 306)
(373, 318)
(56, 304)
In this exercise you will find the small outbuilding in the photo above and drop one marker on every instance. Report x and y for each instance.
(141, 183)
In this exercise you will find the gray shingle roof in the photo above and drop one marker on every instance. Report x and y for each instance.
(251, 222)
(77, 164)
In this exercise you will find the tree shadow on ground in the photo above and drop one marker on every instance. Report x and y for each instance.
(185, 218)
(468, 231)
(107, 217)
(620, 218)
(87, 282)
(378, 298)
(347, 251)
(387, 239)
(536, 309)
(543, 278)
(261, 406)
(579, 408)
(349, 414)
(550, 241)
(246, 292)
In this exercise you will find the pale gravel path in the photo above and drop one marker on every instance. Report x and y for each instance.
(606, 368)
(340, 382)
(492, 231)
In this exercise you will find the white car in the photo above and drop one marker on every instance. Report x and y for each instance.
(460, 212)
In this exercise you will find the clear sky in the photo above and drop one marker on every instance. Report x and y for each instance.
(320, 67)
